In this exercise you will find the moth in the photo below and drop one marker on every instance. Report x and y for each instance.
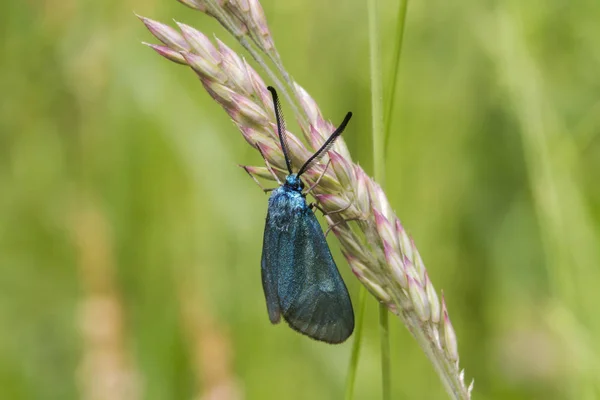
(300, 279)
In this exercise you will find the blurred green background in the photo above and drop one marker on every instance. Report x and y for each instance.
(130, 240)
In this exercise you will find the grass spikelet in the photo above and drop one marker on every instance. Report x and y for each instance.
(378, 249)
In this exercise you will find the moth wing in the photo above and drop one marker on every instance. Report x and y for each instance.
(312, 295)
(269, 265)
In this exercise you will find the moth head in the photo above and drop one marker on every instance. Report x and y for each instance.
(293, 182)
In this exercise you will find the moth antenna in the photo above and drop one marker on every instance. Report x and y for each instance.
(326, 146)
(281, 131)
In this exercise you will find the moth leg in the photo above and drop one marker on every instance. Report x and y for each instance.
(310, 189)
(266, 190)
(268, 165)
(342, 221)
(315, 205)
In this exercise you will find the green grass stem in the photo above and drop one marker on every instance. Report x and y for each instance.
(360, 317)
(399, 36)
(378, 169)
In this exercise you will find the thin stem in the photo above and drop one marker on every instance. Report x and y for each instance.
(446, 370)
(276, 59)
(400, 23)
(379, 170)
(385, 351)
(381, 154)
(257, 57)
(229, 25)
(302, 116)
(376, 94)
(428, 340)
(362, 300)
